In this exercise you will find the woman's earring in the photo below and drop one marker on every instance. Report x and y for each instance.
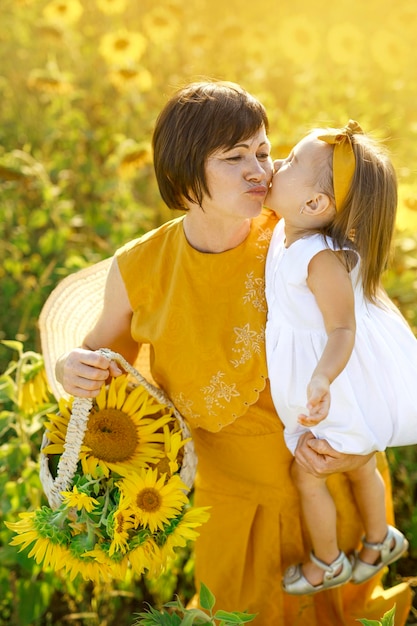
(302, 209)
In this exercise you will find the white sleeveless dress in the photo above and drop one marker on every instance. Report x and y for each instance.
(374, 399)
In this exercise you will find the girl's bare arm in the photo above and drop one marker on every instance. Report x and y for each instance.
(329, 281)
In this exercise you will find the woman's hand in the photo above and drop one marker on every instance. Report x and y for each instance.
(317, 457)
(83, 372)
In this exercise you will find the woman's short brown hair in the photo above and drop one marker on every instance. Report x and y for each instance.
(198, 120)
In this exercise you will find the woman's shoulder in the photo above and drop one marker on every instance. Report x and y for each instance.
(155, 236)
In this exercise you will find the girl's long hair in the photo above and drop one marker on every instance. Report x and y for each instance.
(367, 217)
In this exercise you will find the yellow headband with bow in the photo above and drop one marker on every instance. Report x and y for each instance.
(344, 161)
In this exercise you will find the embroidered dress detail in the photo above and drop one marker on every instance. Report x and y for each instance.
(186, 406)
(256, 292)
(250, 342)
(210, 387)
(218, 393)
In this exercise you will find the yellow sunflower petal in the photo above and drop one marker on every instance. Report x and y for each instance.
(57, 421)
(93, 466)
(152, 425)
(150, 408)
(134, 400)
(121, 392)
(112, 395)
(95, 571)
(56, 437)
(56, 448)
(145, 557)
(101, 398)
(65, 407)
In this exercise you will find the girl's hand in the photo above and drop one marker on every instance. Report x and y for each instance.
(83, 372)
(318, 396)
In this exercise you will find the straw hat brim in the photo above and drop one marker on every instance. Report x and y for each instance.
(70, 311)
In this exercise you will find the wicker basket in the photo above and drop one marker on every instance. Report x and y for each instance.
(77, 426)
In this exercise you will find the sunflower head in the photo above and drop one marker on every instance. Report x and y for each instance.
(63, 11)
(111, 7)
(124, 431)
(153, 499)
(122, 46)
(79, 500)
(173, 452)
(126, 504)
(32, 389)
(129, 78)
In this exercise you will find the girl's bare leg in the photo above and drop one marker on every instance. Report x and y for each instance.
(369, 492)
(319, 513)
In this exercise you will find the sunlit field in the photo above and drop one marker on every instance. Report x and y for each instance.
(81, 84)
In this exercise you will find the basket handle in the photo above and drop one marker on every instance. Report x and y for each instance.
(67, 464)
(156, 392)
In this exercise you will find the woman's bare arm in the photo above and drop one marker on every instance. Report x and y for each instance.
(83, 371)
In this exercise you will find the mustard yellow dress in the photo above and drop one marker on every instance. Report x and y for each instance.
(204, 318)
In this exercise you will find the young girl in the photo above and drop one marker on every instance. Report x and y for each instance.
(342, 360)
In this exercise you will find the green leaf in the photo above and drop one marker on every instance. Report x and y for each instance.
(388, 618)
(13, 345)
(207, 598)
(195, 616)
(175, 604)
(7, 389)
(235, 617)
(152, 617)
(34, 598)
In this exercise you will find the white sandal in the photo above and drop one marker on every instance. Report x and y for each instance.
(295, 583)
(361, 571)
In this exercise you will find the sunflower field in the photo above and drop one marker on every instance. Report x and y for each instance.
(81, 84)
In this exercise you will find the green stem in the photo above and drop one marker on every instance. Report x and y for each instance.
(105, 507)
(91, 533)
(21, 425)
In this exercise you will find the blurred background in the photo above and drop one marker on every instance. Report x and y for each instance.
(81, 84)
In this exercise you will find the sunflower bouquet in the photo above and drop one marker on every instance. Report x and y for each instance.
(117, 471)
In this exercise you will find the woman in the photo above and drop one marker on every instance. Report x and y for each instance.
(194, 290)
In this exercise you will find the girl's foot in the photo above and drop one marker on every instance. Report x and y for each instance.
(336, 573)
(314, 573)
(374, 556)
